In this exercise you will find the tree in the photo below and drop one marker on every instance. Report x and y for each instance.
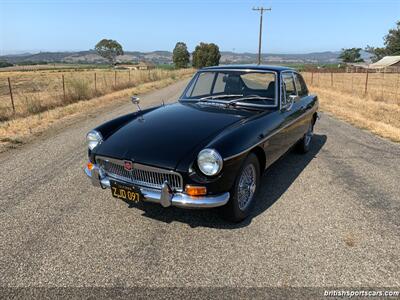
(206, 55)
(109, 49)
(377, 53)
(391, 42)
(351, 55)
(181, 55)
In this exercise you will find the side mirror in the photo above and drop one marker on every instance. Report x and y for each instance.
(290, 100)
(136, 100)
(293, 98)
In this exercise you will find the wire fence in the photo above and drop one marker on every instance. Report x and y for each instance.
(27, 93)
(377, 86)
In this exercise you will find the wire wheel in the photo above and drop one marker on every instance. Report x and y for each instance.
(247, 186)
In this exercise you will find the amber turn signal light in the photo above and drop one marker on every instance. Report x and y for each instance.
(90, 166)
(194, 190)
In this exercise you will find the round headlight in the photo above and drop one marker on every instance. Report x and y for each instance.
(93, 138)
(209, 162)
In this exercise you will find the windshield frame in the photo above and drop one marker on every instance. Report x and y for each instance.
(241, 103)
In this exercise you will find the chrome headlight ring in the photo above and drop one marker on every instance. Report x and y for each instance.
(209, 162)
(93, 138)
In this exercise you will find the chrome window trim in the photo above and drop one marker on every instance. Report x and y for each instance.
(281, 86)
(276, 100)
(138, 166)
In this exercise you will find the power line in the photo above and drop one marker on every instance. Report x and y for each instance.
(261, 10)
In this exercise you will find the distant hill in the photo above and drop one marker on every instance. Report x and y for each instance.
(165, 57)
(314, 58)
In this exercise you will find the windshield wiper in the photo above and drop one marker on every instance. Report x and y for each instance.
(214, 100)
(221, 96)
(255, 97)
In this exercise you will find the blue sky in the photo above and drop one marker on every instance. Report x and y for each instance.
(291, 27)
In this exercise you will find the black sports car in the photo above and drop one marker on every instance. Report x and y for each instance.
(209, 148)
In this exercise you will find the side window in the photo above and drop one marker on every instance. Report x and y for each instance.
(220, 83)
(301, 86)
(288, 86)
(203, 84)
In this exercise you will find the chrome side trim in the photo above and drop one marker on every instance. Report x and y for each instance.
(268, 136)
(165, 197)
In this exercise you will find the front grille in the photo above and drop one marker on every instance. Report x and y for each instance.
(141, 174)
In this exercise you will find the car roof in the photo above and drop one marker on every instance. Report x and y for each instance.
(251, 67)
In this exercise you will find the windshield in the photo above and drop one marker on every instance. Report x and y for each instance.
(251, 87)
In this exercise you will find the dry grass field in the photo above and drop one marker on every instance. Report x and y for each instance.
(50, 66)
(343, 95)
(40, 103)
(38, 91)
(40, 100)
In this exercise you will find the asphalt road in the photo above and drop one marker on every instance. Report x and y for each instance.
(327, 218)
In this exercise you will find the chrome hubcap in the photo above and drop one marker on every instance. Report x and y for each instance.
(309, 135)
(247, 186)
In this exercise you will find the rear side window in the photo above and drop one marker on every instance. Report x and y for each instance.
(301, 86)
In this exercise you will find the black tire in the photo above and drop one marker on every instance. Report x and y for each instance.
(303, 146)
(232, 210)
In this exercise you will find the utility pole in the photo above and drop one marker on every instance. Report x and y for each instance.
(261, 10)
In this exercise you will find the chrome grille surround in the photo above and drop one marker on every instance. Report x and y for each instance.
(141, 175)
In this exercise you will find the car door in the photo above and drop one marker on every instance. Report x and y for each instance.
(305, 104)
(287, 132)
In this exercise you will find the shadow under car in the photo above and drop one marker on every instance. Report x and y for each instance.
(282, 174)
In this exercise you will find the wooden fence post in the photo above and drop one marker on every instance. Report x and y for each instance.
(115, 78)
(352, 82)
(95, 83)
(366, 84)
(397, 86)
(331, 79)
(63, 85)
(129, 75)
(11, 95)
(312, 78)
(383, 82)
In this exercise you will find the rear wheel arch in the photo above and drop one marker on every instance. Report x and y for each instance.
(314, 118)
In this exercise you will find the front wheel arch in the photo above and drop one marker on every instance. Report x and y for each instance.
(262, 159)
(232, 210)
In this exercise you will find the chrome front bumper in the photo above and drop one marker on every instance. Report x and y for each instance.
(165, 196)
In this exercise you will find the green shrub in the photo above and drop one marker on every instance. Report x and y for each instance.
(78, 89)
(32, 104)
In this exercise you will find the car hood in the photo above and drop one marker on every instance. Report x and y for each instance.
(163, 136)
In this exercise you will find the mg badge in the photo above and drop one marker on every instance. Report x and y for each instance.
(128, 165)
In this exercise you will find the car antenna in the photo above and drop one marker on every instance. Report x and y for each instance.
(163, 103)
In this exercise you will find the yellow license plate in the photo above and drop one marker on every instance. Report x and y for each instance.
(125, 192)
